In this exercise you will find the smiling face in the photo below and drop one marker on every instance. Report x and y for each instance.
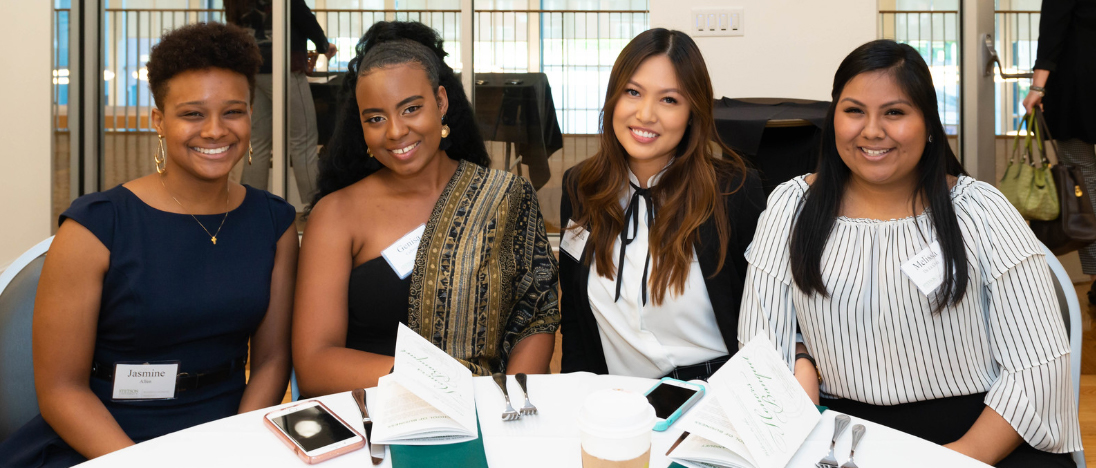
(651, 116)
(205, 122)
(401, 116)
(879, 133)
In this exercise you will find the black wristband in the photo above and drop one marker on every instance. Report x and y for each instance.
(814, 364)
(807, 357)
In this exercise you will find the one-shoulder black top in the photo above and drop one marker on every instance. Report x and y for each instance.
(377, 304)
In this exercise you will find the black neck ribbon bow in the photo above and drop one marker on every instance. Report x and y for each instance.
(632, 212)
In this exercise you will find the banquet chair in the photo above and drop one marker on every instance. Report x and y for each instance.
(18, 285)
(1071, 313)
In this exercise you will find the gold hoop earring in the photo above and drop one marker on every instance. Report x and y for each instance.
(368, 151)
(444, 131)
(249, 153)
(160, 157)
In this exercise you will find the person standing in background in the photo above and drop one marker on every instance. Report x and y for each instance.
(303, 136)
(1065, 70)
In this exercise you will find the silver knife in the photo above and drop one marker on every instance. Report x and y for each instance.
(376, 451)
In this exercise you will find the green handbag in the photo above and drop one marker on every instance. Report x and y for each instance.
(1028, 187)
(1015, 184)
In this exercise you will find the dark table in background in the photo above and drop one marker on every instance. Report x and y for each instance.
(518, 109)
(778, 137)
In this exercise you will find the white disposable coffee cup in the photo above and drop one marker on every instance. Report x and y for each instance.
(615, 427)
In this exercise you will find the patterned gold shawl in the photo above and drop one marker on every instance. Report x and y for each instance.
(484, 276)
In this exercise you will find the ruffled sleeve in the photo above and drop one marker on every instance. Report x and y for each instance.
(1034, 391)
(767, 306)
(96, 212)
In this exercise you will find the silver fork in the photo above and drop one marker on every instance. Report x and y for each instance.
(839, 425)
(528, 408)
(857, 434)
(509, 414)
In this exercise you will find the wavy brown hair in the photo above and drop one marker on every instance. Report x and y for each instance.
(690, 185)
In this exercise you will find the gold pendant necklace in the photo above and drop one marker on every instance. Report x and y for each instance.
(212, 237)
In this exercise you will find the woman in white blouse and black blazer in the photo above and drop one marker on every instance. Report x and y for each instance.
(652, 266)
(920, 292)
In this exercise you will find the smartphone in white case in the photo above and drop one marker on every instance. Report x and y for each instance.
(313, 431)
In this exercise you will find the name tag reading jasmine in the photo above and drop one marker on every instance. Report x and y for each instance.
(926, 269)
(145, 381)
(574, 240)
(401, 255)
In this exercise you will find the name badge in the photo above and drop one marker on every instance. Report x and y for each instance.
(926, 269)
(401, 255)
(145, 381)
(574, 240)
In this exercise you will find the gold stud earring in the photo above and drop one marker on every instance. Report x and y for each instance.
(160, 157)
(444, 131)
(249, 153)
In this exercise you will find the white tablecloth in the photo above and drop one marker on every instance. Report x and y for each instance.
(549, 439)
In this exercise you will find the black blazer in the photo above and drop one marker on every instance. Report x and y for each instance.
(582, 349)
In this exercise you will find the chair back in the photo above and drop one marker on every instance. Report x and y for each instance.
(1071, 314)
(18, 285)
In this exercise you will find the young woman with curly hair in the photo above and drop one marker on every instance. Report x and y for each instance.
(410, 226)
(179, 269)
(655, 289)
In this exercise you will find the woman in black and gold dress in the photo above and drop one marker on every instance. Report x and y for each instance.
(407, 163)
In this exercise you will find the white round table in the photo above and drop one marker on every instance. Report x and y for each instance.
(548, 439)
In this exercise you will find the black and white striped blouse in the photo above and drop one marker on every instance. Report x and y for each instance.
(875, 337)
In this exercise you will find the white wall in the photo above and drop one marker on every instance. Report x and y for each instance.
(791, 48)
(25, 126)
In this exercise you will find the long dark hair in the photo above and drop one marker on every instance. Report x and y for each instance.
(691, 185)
(822, 203)
(345, 161)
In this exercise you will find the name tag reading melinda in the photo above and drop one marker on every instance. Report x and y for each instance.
(401, 255)
(926, 269)
(145, 381)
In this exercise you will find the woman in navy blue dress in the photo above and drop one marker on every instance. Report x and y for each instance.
(178, 267)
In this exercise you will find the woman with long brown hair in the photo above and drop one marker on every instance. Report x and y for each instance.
(652, 263)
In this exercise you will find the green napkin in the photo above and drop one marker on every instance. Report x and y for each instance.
(465, 454)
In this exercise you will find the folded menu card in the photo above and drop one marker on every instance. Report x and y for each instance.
(758, 418)
(428, 399)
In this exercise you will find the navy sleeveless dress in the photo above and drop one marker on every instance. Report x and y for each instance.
(169, 294)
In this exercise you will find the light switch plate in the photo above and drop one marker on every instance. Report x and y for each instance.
(716, 22)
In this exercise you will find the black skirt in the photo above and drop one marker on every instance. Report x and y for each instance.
(943, 421)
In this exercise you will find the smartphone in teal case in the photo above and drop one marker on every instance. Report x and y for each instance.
(671, 398)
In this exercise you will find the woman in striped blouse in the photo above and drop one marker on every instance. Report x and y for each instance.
(920, 292)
